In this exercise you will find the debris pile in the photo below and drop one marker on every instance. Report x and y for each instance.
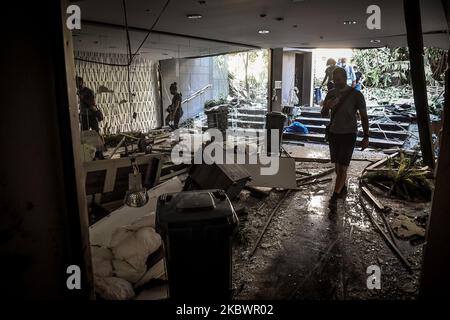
(403, 178)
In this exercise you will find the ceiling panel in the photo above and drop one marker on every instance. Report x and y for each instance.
(307, 23)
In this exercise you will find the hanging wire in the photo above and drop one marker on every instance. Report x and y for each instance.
(127, 32)
(151, 29)
(139, 47)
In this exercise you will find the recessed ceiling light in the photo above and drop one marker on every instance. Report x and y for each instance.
(375, 41)
(194, 16)
(349, 22)
(263, 31)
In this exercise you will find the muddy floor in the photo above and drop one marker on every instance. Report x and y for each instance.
(310, 252)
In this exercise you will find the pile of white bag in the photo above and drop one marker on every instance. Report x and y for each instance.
(121, 267)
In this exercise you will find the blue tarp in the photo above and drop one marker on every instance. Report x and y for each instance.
(296, 127)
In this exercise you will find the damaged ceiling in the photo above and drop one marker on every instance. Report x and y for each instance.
(221, 28)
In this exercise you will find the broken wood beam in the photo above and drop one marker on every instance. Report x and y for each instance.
(391, 244)
(302, 173)
(373, 199)
(255, 247)
(316, 181)
(317, 175)
(382, 161)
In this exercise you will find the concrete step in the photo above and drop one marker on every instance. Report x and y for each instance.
(316, 114)
(384, 126)
(319, 137)
(256, 111)
(247, 124)
(373, 132)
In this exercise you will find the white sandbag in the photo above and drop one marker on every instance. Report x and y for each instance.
(131, 271)
(112, 288)
(145, 221)
(120, 235)
(157, 271)
(126, 244)
(101, 261)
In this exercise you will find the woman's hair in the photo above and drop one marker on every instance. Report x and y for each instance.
(331, 62)
(173, 86)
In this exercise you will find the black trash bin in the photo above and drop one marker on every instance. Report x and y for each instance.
(217, 118)
(274, 121)
(196, 228)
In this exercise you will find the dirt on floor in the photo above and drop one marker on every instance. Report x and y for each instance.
(311, 252)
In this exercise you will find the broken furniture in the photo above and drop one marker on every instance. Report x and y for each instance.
(231, 178)
(101, 234)
(217, 118)
(196, 228)
(107, 181)
(284, 177)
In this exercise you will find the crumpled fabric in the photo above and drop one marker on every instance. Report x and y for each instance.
(113, 288)
(297, 127)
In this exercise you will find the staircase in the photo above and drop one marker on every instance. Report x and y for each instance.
(389, 132)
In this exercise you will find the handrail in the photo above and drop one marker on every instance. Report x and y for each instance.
(197, 93)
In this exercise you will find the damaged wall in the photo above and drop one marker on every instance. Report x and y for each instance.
(192, 75)
(115, 106)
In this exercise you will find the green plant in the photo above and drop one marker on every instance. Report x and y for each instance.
(403, 179)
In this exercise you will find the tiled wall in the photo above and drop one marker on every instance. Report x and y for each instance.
(144, 85)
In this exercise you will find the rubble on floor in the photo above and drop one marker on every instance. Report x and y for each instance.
(308, 252)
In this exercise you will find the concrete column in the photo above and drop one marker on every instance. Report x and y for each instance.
(307, 79)
(276, 75)
(415, 46)
(435, 279)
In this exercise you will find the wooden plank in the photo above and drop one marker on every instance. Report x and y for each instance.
(392, 245)
(110, 180)
(382, 161)
(315, 176)
(373, 199)
(274, 210)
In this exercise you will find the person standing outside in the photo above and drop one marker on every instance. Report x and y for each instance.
(359, 78)
(331, 65)
(341, 104)
(351, 77)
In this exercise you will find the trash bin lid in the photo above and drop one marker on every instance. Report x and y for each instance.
(193, 206)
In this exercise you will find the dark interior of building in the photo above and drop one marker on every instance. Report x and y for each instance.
(235, 150)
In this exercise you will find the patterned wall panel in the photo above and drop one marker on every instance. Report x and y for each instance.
(115, 105)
